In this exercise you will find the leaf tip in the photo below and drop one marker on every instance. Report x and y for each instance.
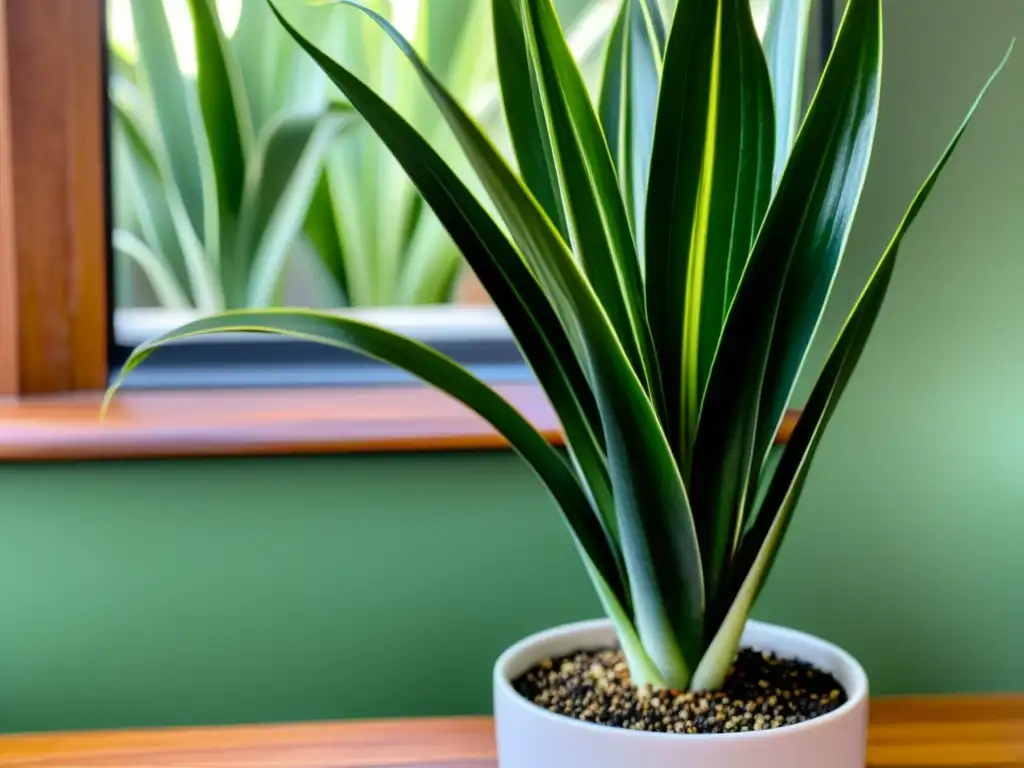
(108, 398)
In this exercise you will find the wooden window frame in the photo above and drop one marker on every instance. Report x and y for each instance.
(53, 288)
(55, 294)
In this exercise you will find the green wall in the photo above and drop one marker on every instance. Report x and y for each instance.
(248, 590)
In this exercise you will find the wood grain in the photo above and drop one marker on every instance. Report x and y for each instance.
(948, 732)
(448, 743)
(53, 304)
(952, 732)
(249, 422)
(9, 343)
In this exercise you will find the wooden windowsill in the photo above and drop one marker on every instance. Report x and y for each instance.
(954, 732)
(251, 422)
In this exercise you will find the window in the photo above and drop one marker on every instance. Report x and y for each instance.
(355, 235)
(325, 218)
(114, 230)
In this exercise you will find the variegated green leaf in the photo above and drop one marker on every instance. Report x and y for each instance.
(784, 287)
(587, 35)
(678, 504)
(524, 110)
(614, 96)
(733, 201)
(761, 544)
(839, 367)
(629, 98)
(659, 552)
(598, 220)
(674, 217)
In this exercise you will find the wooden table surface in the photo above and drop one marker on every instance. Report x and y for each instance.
(952, 732)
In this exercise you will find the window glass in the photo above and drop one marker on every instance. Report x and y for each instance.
(239, 178)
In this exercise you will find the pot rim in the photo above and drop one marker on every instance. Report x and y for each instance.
(856, 687)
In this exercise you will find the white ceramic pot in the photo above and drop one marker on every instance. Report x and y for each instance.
(531, 737)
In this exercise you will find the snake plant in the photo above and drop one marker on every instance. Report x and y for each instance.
(662, 286)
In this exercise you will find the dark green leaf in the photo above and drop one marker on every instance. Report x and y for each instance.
(783, 488)
(845, 110)
(761, 544)
(784, 288)
(629, 98)
(673, 192)
(524, 110)
(599, 222)
(739, 186)
(646, 52)
(655, 524)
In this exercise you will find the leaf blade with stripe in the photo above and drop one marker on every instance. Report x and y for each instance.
(673, 192)
(761, 544)
(787, 277)
(599, 222)
(524, 111)
(628, 103)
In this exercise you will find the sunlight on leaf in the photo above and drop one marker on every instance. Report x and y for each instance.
(122, 34)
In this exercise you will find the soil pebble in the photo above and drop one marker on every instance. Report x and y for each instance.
(761, 692)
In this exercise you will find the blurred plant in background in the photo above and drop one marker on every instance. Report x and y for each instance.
(216, 156)
(382, 246)
(240, 178)
(232, 153)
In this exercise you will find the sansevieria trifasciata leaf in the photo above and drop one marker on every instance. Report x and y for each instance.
(783, 291)
(759, 545)
(629, 98)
